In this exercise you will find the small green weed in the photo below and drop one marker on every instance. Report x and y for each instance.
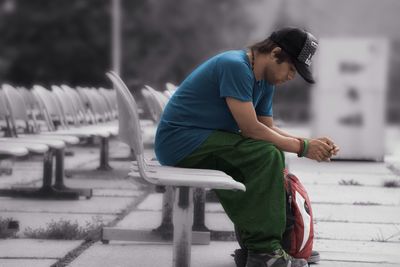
(8, 227)
(67, 230)
(349, 182)
(392, 183)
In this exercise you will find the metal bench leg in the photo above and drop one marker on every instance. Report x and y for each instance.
(166, 228)
(199, 210)
(59, 180)
(46, 191)
(104, 149)
(162, 233)
(183, 221)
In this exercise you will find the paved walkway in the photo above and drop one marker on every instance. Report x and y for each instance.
(356, 225)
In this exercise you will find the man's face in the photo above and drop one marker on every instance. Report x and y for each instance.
(278, 73)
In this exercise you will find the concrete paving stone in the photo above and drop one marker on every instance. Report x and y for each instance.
(333, 253)
(119, 149)
(35, 248)
(338, 167)
(357, 231)
(358, 251)
(119, 169)
(139, 220)
(80, 158)
(116, 193)
(357, 213)
(218, 222)
(91, 154)
(23, 172)
(327, 178)
(21, 181)
(354, 194)
(360, 195)
(324, 263)
(145, 219)
(36, 220)
(343, 213)
(96, 205)
(82, 155)
(102, 184)
(151, 202)
(27, 262)
(325, 212)
(323, 230)
(326, 230)
(217, 254)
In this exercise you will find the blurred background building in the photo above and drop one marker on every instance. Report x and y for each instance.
(58, 41)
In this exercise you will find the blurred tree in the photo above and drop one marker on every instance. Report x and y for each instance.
(165, 40)
(49, 42)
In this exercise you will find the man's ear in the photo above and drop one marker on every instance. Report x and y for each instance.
(276, 51)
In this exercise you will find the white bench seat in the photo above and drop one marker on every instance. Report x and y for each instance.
(13, 150)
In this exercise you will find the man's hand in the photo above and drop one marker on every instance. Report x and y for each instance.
(334, 148)
(321, 149)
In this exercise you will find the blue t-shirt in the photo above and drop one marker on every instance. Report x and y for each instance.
(198, 107)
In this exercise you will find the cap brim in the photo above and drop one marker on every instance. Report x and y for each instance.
(304, 71)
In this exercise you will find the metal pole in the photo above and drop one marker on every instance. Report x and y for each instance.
(199, 210)
(116, 36)
(166, 228)
(104, 153)
(183, 220)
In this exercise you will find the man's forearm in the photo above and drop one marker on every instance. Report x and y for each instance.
(263, 132)
(282, 132)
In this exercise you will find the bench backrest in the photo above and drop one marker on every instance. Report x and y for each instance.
(82, 112)
(17, 106)
(159, 98)
(171, 87)
(128, 116)
(4, 113)
(154, 108)
(49, 105)
(66, 104)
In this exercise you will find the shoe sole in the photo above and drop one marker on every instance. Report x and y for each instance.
(313, 259)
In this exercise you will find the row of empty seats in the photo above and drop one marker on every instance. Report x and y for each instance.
(43, 121)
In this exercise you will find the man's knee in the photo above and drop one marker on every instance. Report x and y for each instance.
(272, 153)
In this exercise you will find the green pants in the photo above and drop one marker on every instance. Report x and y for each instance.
(259, 213)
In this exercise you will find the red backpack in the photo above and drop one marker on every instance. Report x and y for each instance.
(299, 233)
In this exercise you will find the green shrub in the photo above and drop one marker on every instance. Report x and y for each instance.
(67, 230)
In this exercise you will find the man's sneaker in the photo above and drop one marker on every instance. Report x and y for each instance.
(240, 257)
(278, 258)
(314, 258)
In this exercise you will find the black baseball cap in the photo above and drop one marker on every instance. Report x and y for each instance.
(300, 46)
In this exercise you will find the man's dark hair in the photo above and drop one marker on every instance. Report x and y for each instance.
(267, 46)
